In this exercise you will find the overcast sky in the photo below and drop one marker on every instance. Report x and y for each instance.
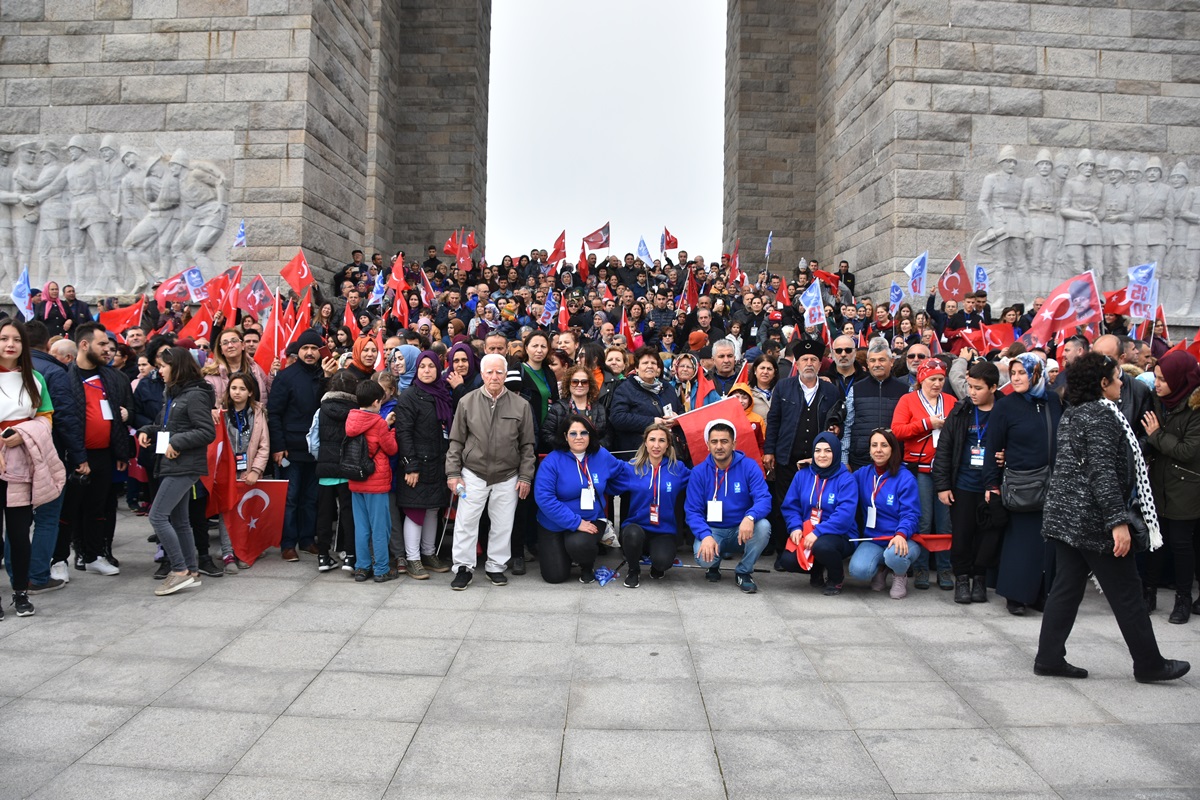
(601, 112)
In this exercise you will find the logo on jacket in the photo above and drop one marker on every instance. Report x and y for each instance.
(668, 486)
(831, 498)
(891, 498)
(737, 488)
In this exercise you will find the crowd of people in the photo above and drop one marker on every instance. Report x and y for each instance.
(536, 407)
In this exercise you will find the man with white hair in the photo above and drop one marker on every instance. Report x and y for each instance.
(724, 366)
(485, 469)
(870, 404)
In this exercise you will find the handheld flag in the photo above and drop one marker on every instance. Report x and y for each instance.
(560, 250)
(349, 320)
(22, 294)
(643, 252)
(829, 279)
(669, 241)
(895, 298)
(693, 423)
(255, 522)
(255, 297)
(1143, 291)
(953, 283)
(450, 248)
(221, 480)
(196, 286)
(814, 309)
(240, 239)
(582, 266)
(548, 310)
(120, 320)
(1074, 302)
(564, 315)
(427, 295)
(270, 347)
(981, 278)
(199, 326)
(598, 239)
(770, 237)
(297, 273)
(378, 291)
(782, 299)
(173, 290)
(916, 271)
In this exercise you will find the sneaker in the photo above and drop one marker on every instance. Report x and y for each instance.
(632, 580)
(434, 563)
(962, 589)
(879, 580)
(60, 572)
(816, 577)
(745, 583)
(920, 579)
(713, 574)
(101, 567)
(49, 586)
(497, 578)
(518, 565)
(24, 607)
(945, 580)
(324, 563)
(348, 562)
(163, 570)
(390, 575)
(173, 583)
(196, 578)
(230, 563)
(400, 565)
(361, 575)
(587, 575)
(208, 567)
(416, 570)
(461, 580)
(834, 589)
(241, 564)
(79, 565)
(657, 574)
(979, 590)
(899, 587)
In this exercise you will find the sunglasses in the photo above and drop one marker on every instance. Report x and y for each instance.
(916, 357)
(843, 350)
(580, 383)
(577, 434)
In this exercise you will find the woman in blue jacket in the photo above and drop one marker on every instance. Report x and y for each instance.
(570, 488)
(658, 484)
(825, 493)
(891, 510)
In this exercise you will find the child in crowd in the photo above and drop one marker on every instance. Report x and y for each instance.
(372, 520)
(246, 421)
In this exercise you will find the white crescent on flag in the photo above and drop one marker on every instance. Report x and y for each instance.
(253, 521)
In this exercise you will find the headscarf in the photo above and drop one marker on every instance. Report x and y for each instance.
(472, 361)
(439, 389)
(1037, 374)
(359, 344)
(46, 306)
(410, 355)
(831, 440)
(1182, 373)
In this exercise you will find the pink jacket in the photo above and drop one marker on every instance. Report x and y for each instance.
(34, 473)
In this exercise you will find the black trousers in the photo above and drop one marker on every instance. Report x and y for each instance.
(198, 518)
(785, 473)
(1179, 536)
(16, 524)
(335, 502)
(524, 527)
(829, 552)
(1122, 587)
(82, 523)
(965, 542)
(557, 549)
(635, 542)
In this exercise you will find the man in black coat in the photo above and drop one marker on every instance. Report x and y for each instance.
(1136, 399)
(294, 399)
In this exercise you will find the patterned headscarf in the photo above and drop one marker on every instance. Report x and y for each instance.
(1036, 369)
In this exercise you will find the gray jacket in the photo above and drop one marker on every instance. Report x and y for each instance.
(493, 440)
(188, 411)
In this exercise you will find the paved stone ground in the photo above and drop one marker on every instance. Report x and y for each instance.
(282, 683)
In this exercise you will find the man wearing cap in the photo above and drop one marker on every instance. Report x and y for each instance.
(294, 399)
(1151, 230)
(870, 404)
(801, 407)
(1079, 206)
(998, 201)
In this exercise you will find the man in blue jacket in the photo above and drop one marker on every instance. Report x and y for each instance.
(727, 506)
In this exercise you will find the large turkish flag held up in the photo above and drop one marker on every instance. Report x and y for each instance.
(730, 410)
(255, 523)
(954, 283)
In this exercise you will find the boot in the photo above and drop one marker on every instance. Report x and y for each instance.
(962, 589)
(1183, 609)
(979, 589)
(1150, 595)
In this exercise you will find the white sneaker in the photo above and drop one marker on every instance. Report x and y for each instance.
(102, 567)
(60, 571)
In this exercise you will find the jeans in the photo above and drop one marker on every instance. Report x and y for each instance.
(372, 526)
(501, 501)
(727, 543)
(933, 512)
(170, 520)
(635, 541)
(45, 536)
(300, 513)
(865, 561)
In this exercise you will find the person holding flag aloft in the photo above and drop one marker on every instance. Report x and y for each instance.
(819, 510)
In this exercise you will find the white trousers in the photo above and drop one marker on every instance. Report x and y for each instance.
(501, 500)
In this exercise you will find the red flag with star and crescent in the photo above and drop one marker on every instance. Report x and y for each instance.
(598, 239)
(669, 241)
(560, 250)
(199, 326)
(692, 425)
(583, 263)
(222, 472)
(255, 297)
(953, 285)
(297, 273)
(120, 320)
(1074, 302)
(173, 290)
(274, 339)
(255, 519)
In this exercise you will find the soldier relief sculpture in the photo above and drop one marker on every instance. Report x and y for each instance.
(1096, 211)
(108, 221)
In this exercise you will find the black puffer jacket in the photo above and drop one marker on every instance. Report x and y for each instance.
(422, 450)
(331, 428)
(1092, 478)
(557, 412)
(189, 422)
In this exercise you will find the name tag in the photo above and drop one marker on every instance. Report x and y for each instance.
(716, 511)
(587, 499)
(754, 331)
(667, 410)
(242, 461)
(162, 442)
(870, 516)
(977, 457)
(105, 409)
(814, 516)
(653, 514)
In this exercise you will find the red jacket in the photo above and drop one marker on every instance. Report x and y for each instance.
(381, 443)
(910, 423)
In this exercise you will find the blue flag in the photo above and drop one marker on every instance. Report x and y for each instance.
(194, 279)
(21, 293)
(770, 236)
(1143, 274)
(980, 284)
(644, 252)
(240, 241)
(895, 298)
(548, 312)
(814, 309)
(916, 274)
(378, 291)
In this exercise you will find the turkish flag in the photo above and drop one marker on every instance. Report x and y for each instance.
(351, 321)
(933, 542)
(297, 273)
(560, 249)
(427, 296)
(735, 261)
(199, 326)
(583, 263)
(598, 239)
(564, 316)
(690, 298)
(704, 387)
(803, 557)
(220, 287)
(173, 290)
(450, 248)
(120, 320)
(828, 278)
(303, 316)
(782, 299)
(255, 520)
(744, 375)
(1074, 302)
(999, 335)
(396, 280)
(463, 257)
(471, 241)
(729, 410)
(669, 241)
(273, 341)
(222, 471)
(953, 284)
(379, 365)
(400, 308)
(255, 297)
(1117, 302)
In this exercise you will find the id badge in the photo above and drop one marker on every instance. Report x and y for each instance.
(653, 514)
(715, 511)
(814, 516)
(162, 442)
(754, 332)
(241, 461)
(105, 410)
(587, 500)
(977, 457)
(870, 516)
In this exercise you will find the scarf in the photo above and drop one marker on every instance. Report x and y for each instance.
(46, 306)
(1036, 369)
(1182, 373)
(472, 361)
(1144, 492)
(439, 390)
(359, 344)
(411, 355)
(653, 388)
(541, 400)
(836, 464)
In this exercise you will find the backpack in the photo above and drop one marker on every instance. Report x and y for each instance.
(355, 461)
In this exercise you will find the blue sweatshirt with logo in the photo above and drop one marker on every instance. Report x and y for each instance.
(672, 480)
(897, 504)
(742, 490)
(838, 500)
(560, 482)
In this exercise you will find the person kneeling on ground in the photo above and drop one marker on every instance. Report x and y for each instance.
(819, 511)
(658, 485)
(891, 504)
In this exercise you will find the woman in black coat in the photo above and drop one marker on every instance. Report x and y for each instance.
(641, 400)
(423, 417)
(1099, 474)
(579, 392)
(1022, 427)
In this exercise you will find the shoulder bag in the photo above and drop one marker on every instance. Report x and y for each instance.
(1024, 490)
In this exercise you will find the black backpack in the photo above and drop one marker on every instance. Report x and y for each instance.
(354, 458)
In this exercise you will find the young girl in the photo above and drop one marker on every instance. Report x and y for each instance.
(246, 421)
(745, 396)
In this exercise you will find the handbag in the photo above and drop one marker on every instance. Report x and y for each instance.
(1025, 489)
(1139, 531)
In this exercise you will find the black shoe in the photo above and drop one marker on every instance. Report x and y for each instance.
(206, 566)
(1170, 670)
(962, 589)
(745, 583)
(111, 558)
(979, 589)
(390, 575)
(49, 586)
(24, 607)
(497, 578)
(657, 574)
(1063, 670)
(152, 538)
(832, 589)
(778, 565)
(324, 563)
(360, 575)
(1183, 610)
(518, 565)
(79, 563)
(587, 575)
(461, 579)
(1015, 608)
(1150, 596)
(632, 580)
(816, 577)
(920, 578)
(714, 573)
(164, 569)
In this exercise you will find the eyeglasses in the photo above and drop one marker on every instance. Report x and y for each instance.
(843, 350)
(580, 383)
(578, 434)
(916, 357)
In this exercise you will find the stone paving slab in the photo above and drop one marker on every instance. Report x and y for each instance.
(281, 682)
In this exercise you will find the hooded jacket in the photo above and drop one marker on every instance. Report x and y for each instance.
(380, 444)
(331, 431)
(897, 501)
(68, 417)
(560, 483)
(187, 417)
(836, 497)
(1174, 455)
(743, 492)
